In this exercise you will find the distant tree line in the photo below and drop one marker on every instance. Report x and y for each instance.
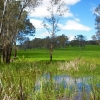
(61, 41)
(58, 41)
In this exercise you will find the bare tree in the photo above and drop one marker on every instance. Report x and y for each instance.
(56, 10)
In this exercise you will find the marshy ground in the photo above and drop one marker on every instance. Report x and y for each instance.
(72, 75)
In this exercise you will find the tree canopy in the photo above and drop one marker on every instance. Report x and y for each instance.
(14, 23)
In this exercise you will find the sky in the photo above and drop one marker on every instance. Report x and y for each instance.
(78, 20)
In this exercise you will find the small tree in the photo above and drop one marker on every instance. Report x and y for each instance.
(56, 10)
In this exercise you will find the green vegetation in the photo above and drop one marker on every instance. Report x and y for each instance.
(32, 77)
(69, 53)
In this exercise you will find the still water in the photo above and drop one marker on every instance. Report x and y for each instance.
(80, 86)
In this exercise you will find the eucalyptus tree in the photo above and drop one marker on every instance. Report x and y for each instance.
(56, 10)
(97, 24)
(12, 16)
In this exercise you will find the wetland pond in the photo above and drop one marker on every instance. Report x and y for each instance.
(71, 88)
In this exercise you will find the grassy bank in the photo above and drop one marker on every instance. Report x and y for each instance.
(73, 73)
(26, 81)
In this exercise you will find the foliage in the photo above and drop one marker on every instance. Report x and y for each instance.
(97, 24)
(60, 41)
(14, 22)
(28, 30)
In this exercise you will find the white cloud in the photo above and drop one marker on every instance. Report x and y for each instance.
(68, 14)
(36, 23)
(68, 2)
(77, 19)
(71, 37)
(74, 25)
(41, 11)
(42, 35)
(71, 2)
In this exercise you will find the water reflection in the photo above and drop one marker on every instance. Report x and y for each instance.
(80, 86)
(66, 81)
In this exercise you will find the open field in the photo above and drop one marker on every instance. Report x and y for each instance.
(68, 53)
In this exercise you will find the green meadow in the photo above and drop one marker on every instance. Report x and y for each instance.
(90, 52)
(74, 74)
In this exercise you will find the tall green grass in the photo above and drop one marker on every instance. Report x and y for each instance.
(23, 78)
(18, 79)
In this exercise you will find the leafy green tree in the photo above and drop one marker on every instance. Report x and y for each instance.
(13, 16)
(23, 34)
